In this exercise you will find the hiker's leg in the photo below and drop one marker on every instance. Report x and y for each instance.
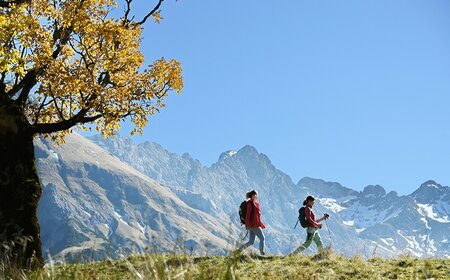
(258, 232)
(309, 237)
(250, 241)
(318, 241)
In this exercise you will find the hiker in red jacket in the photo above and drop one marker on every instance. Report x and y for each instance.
(253, 222)
(312, 233)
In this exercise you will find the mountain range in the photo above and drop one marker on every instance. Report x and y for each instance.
(95, 206)
(114, 197)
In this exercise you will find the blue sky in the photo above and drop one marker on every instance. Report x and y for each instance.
(351, 91)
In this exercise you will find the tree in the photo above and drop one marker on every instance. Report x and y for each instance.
(65, 64)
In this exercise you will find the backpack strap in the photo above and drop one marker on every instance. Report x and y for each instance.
(253, 206)
(298, 218)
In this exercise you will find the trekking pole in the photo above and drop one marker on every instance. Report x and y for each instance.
(245, 236)
(329, 232)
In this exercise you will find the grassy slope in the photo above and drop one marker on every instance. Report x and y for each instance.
(237, 266)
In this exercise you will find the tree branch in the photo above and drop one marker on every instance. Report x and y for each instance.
(7, 4)
(64, 125)
(104, 79)
(127, 12)
(30, 79)
(63, 40)
(26, 79)
(83, 55)
(60, 112)
(38, 112)
(29, 83)
(155, 9)
(163, 90)
(80, 117)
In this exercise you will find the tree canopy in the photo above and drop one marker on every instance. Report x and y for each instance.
(67, 63)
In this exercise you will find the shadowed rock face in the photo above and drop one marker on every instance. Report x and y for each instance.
(430, 191)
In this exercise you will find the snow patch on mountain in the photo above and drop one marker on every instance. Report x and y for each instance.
(413, 245)
(388, 241)
(87, 214)
(363, 216)
(142, 228)
(427, 211)
(231, 153)
(120, 218)
(419, 245)
(376, 246)
(227, 154)
(432, 184)
(425, 222)
(349, 223)
(54, 154)
(331, 204)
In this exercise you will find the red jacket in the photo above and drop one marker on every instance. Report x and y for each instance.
(253, 215)
(310, 217)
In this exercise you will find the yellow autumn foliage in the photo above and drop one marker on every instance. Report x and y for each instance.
(69, 63)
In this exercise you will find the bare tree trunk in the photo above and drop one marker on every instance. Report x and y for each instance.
(20, 191)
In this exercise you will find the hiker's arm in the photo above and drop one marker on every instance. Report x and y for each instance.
(325, 216)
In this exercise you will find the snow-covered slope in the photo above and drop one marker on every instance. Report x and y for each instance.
(417, 224)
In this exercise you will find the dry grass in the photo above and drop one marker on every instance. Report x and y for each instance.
(243, 266)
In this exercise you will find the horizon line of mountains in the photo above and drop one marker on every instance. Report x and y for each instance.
(108, 198)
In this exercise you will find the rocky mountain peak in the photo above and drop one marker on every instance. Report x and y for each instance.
(309, 180)
(227, 154)
(186, 156)
(323, 188)
(373, 191)
(248, 156)
(248, 150)
(428, 192)
(116, 141)
(430, 184)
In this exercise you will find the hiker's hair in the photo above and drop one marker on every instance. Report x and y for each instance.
(309, 198)
(247, 195)
(252, 193)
